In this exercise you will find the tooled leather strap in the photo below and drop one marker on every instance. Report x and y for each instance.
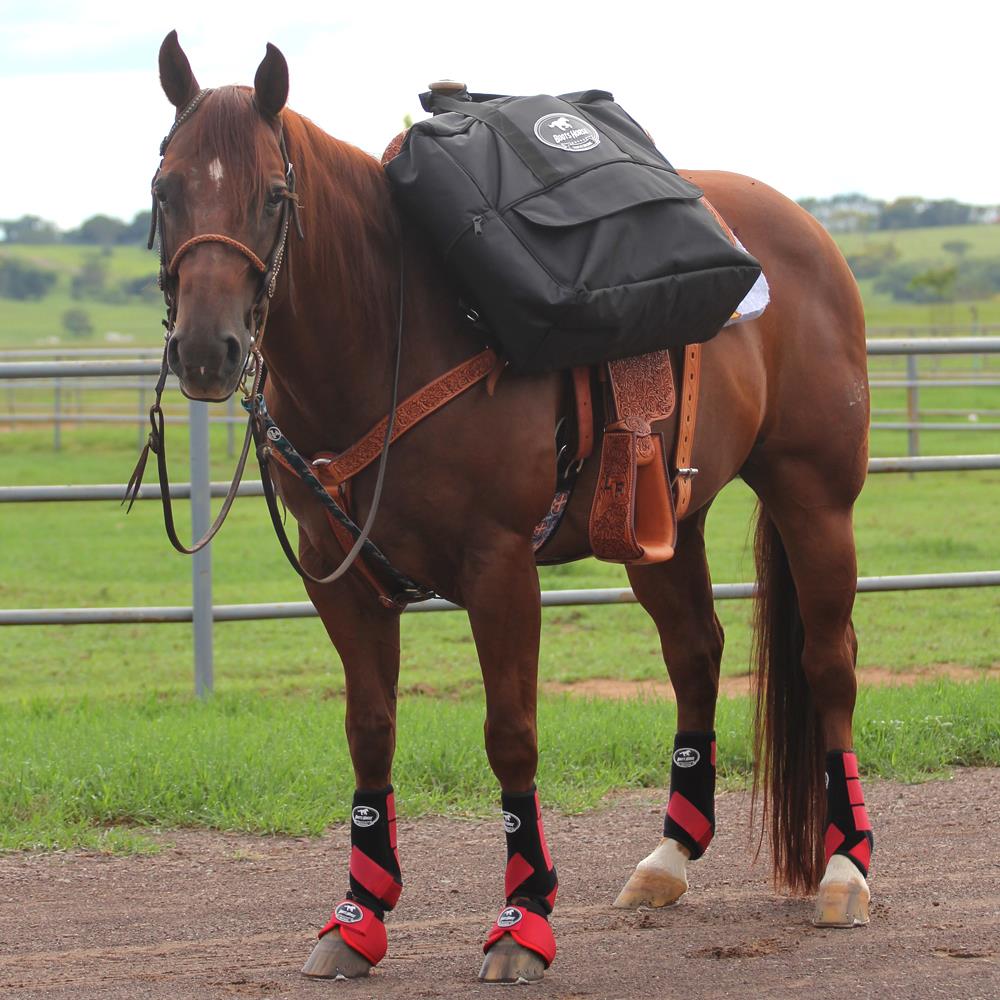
(691, 380)
(409, 413)
(215, 238)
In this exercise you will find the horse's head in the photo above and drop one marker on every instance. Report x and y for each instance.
(223, 196)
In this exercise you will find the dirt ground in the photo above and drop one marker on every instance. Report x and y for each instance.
(227, 916)
(735, 686)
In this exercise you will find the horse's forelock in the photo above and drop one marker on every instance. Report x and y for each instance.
(228, 127)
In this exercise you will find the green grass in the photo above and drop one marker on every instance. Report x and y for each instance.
(927, 244)
(99, 740)
(39, 324)
(94, 774)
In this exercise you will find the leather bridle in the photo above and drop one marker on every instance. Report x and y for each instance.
(260, 428)
(251, 381)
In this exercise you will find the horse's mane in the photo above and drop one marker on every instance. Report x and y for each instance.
(347, 215)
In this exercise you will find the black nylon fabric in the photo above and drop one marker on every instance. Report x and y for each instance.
(840, 813)
(692, 774)
(370, 834)
(524, 837)
(570, 233)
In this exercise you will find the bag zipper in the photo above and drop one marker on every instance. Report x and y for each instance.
(477, 225)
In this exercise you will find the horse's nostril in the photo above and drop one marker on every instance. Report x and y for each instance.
(233, 352)
(173, 355)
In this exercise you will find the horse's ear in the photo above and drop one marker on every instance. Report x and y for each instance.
(176, 78)
(270, 85)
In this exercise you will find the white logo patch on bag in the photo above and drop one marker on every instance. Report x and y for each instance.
(686, 757)
(567, 132)
(364, 816)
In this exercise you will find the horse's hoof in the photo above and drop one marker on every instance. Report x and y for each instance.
(658, 880)
(332, 958)
(509, 962)
(843, 896)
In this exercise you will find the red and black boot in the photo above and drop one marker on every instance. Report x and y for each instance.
(520, 945)
(844, 897)
(376, 883)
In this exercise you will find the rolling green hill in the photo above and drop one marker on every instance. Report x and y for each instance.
(136, 321)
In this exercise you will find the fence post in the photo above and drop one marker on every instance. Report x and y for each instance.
(912, 407)
(57, 424)
(201, 513)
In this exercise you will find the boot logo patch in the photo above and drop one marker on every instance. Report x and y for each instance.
(349, 913)
(686, 757)
(511, 823)
(364, 816)
(509, 917)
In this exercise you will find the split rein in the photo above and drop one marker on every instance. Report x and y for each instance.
(261, 429)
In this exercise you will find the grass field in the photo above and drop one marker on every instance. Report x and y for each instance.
(94, 773)
(100, 737)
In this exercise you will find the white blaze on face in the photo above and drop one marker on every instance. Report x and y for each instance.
(215, 172)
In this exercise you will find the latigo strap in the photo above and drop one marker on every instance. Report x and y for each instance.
(376, 880)
(848, 830)
(690, 817)
(530, 873)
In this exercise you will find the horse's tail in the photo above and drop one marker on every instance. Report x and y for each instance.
(788, 743)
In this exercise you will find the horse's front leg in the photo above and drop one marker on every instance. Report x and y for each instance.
(367, 638)
(500, 590)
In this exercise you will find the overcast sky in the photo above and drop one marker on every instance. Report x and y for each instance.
(884, 97)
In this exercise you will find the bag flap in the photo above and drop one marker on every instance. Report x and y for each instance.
(602, 192)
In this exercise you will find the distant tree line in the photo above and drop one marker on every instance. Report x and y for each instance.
(848, 213)
(27, 280)
(958, 278)
(98, 231)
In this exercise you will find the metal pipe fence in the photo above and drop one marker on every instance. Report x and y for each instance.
(203, 613)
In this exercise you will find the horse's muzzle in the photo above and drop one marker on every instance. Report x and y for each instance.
(206, 371)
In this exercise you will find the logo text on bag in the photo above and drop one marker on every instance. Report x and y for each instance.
(567, 132)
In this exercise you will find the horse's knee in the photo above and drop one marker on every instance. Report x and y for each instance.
(512, 749)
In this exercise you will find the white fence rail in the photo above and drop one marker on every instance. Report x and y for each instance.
(200, 490)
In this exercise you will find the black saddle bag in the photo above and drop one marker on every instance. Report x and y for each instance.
(567, 230)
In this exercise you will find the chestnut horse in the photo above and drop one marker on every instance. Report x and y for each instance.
(784, 405)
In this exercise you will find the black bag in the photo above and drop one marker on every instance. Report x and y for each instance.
(570, 234)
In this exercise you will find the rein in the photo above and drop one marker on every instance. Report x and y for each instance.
(261, 429)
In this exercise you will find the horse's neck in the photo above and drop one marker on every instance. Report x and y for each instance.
(332, 371)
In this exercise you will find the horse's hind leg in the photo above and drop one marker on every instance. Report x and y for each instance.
(367, 638)
(807, 689)
(678, 596)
